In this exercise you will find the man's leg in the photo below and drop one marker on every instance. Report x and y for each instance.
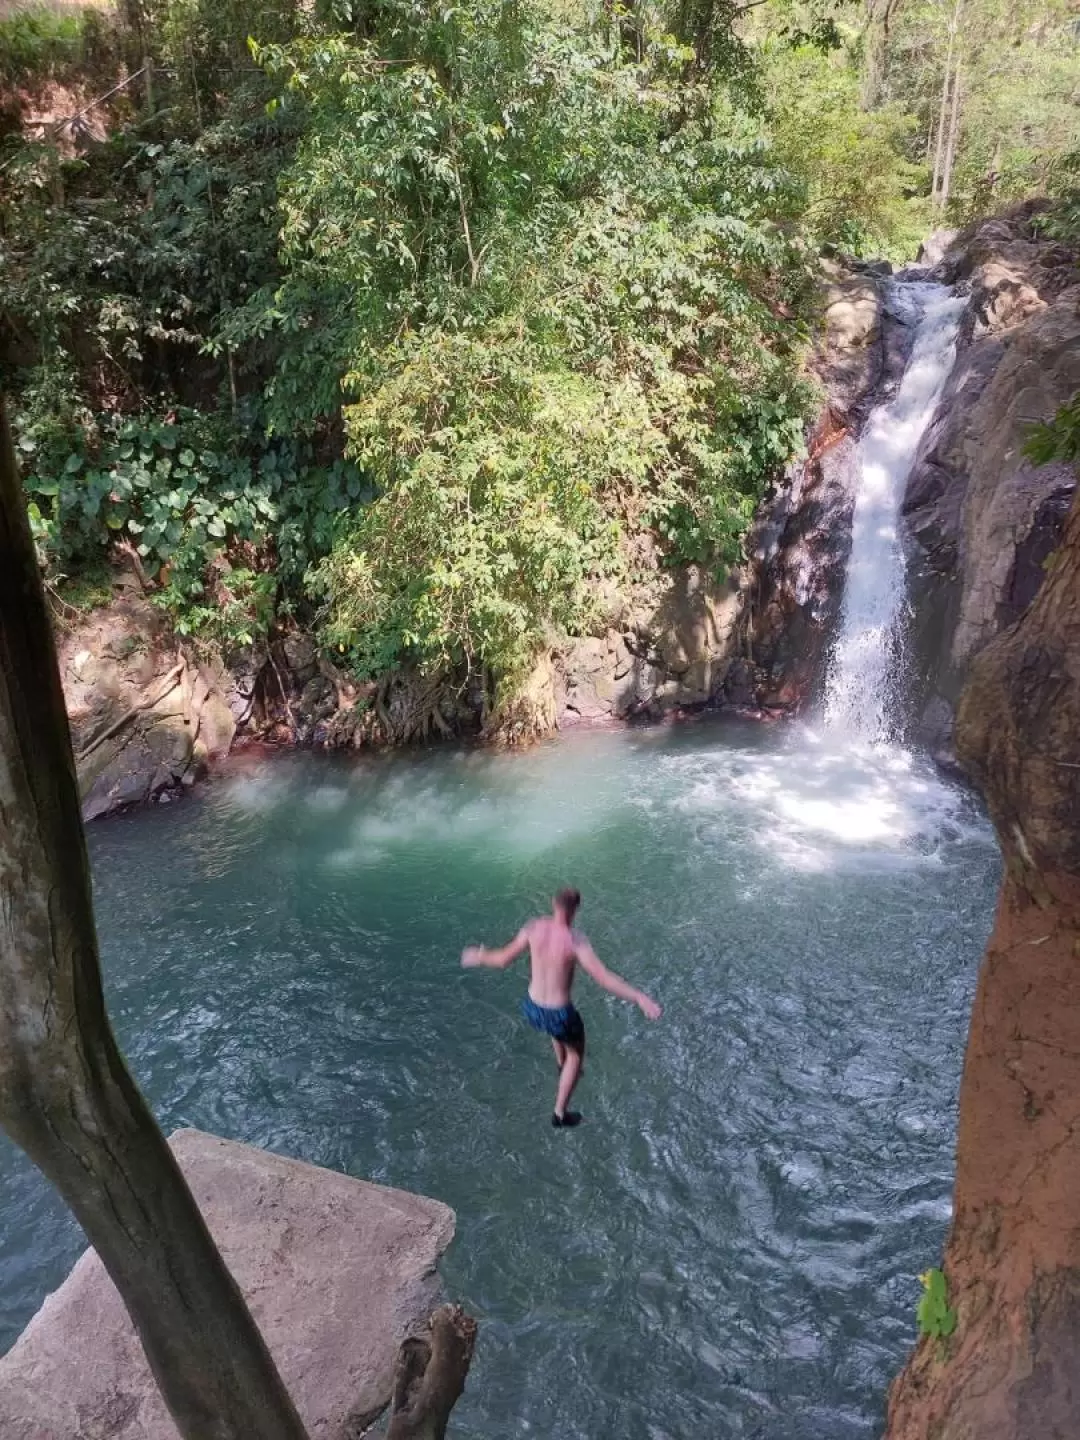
(569, 1076)
(560, 1052)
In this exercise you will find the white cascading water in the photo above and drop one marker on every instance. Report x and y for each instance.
(866, 656)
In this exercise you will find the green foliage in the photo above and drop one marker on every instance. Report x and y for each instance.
(1062, 220)
(1058, 439)
(193, 510)
(1019, 67)
(488, 522)
(935, 1316)
(863, 192)
(434, 317)
(40, 42)
(563, 302)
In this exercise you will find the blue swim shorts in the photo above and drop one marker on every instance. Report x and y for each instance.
(561, 1022)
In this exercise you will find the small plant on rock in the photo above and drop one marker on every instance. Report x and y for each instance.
(936, 1317)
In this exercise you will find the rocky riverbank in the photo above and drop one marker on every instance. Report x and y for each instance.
(150, 714)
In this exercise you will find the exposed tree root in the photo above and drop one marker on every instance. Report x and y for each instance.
(430, 1376)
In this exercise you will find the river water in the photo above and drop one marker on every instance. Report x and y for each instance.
(729, 1245)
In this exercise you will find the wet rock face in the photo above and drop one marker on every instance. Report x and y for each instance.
(801, 550)
(1012, 1260)
(982, 519)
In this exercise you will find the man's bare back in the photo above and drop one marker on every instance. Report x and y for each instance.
(552, 959)
(555, 952)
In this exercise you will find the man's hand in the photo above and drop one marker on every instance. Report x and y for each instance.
(649, 1008)
(472, 955)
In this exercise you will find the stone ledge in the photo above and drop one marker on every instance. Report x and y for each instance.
(336, 1272)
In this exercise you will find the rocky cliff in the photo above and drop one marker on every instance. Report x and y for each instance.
(981, 518)
(755, 639)
(149, 715)
(1012, 1262)
(146, 717)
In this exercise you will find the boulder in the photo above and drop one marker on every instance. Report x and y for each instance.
(848, 355)
(935, 247)
(336, 1272)
(245, 672)
(301, 656)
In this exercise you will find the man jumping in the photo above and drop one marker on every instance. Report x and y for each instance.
(555, 951)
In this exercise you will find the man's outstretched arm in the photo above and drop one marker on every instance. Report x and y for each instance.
(594, 967)
(496, 959)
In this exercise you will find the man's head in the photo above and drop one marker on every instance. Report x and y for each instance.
(566, 903)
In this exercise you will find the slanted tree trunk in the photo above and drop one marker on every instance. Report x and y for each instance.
(65, 1093)
(1010, 1371)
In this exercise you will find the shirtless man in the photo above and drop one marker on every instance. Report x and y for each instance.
(555, 952)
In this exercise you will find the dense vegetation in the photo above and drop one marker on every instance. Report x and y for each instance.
(418, 322)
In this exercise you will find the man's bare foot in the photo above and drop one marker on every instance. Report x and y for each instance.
(567, 1121)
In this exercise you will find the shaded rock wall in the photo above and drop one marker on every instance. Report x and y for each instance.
(982, 519)
(670, 652)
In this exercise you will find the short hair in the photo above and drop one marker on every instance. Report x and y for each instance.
(568, 901)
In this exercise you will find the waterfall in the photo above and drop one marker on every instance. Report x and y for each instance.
(865, 668)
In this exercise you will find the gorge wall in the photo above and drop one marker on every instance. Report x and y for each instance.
(982, 519)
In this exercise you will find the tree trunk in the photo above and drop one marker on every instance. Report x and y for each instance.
(65, 1094)
(950, 148)
(1013, 1257)
(943, 112)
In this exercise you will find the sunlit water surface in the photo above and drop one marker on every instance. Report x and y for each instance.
(728, 1246)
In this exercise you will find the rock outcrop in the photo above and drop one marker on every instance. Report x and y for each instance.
(982, 518)
(668, 652)
(336, 1273)
(146, 717)
(1012, 1262)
